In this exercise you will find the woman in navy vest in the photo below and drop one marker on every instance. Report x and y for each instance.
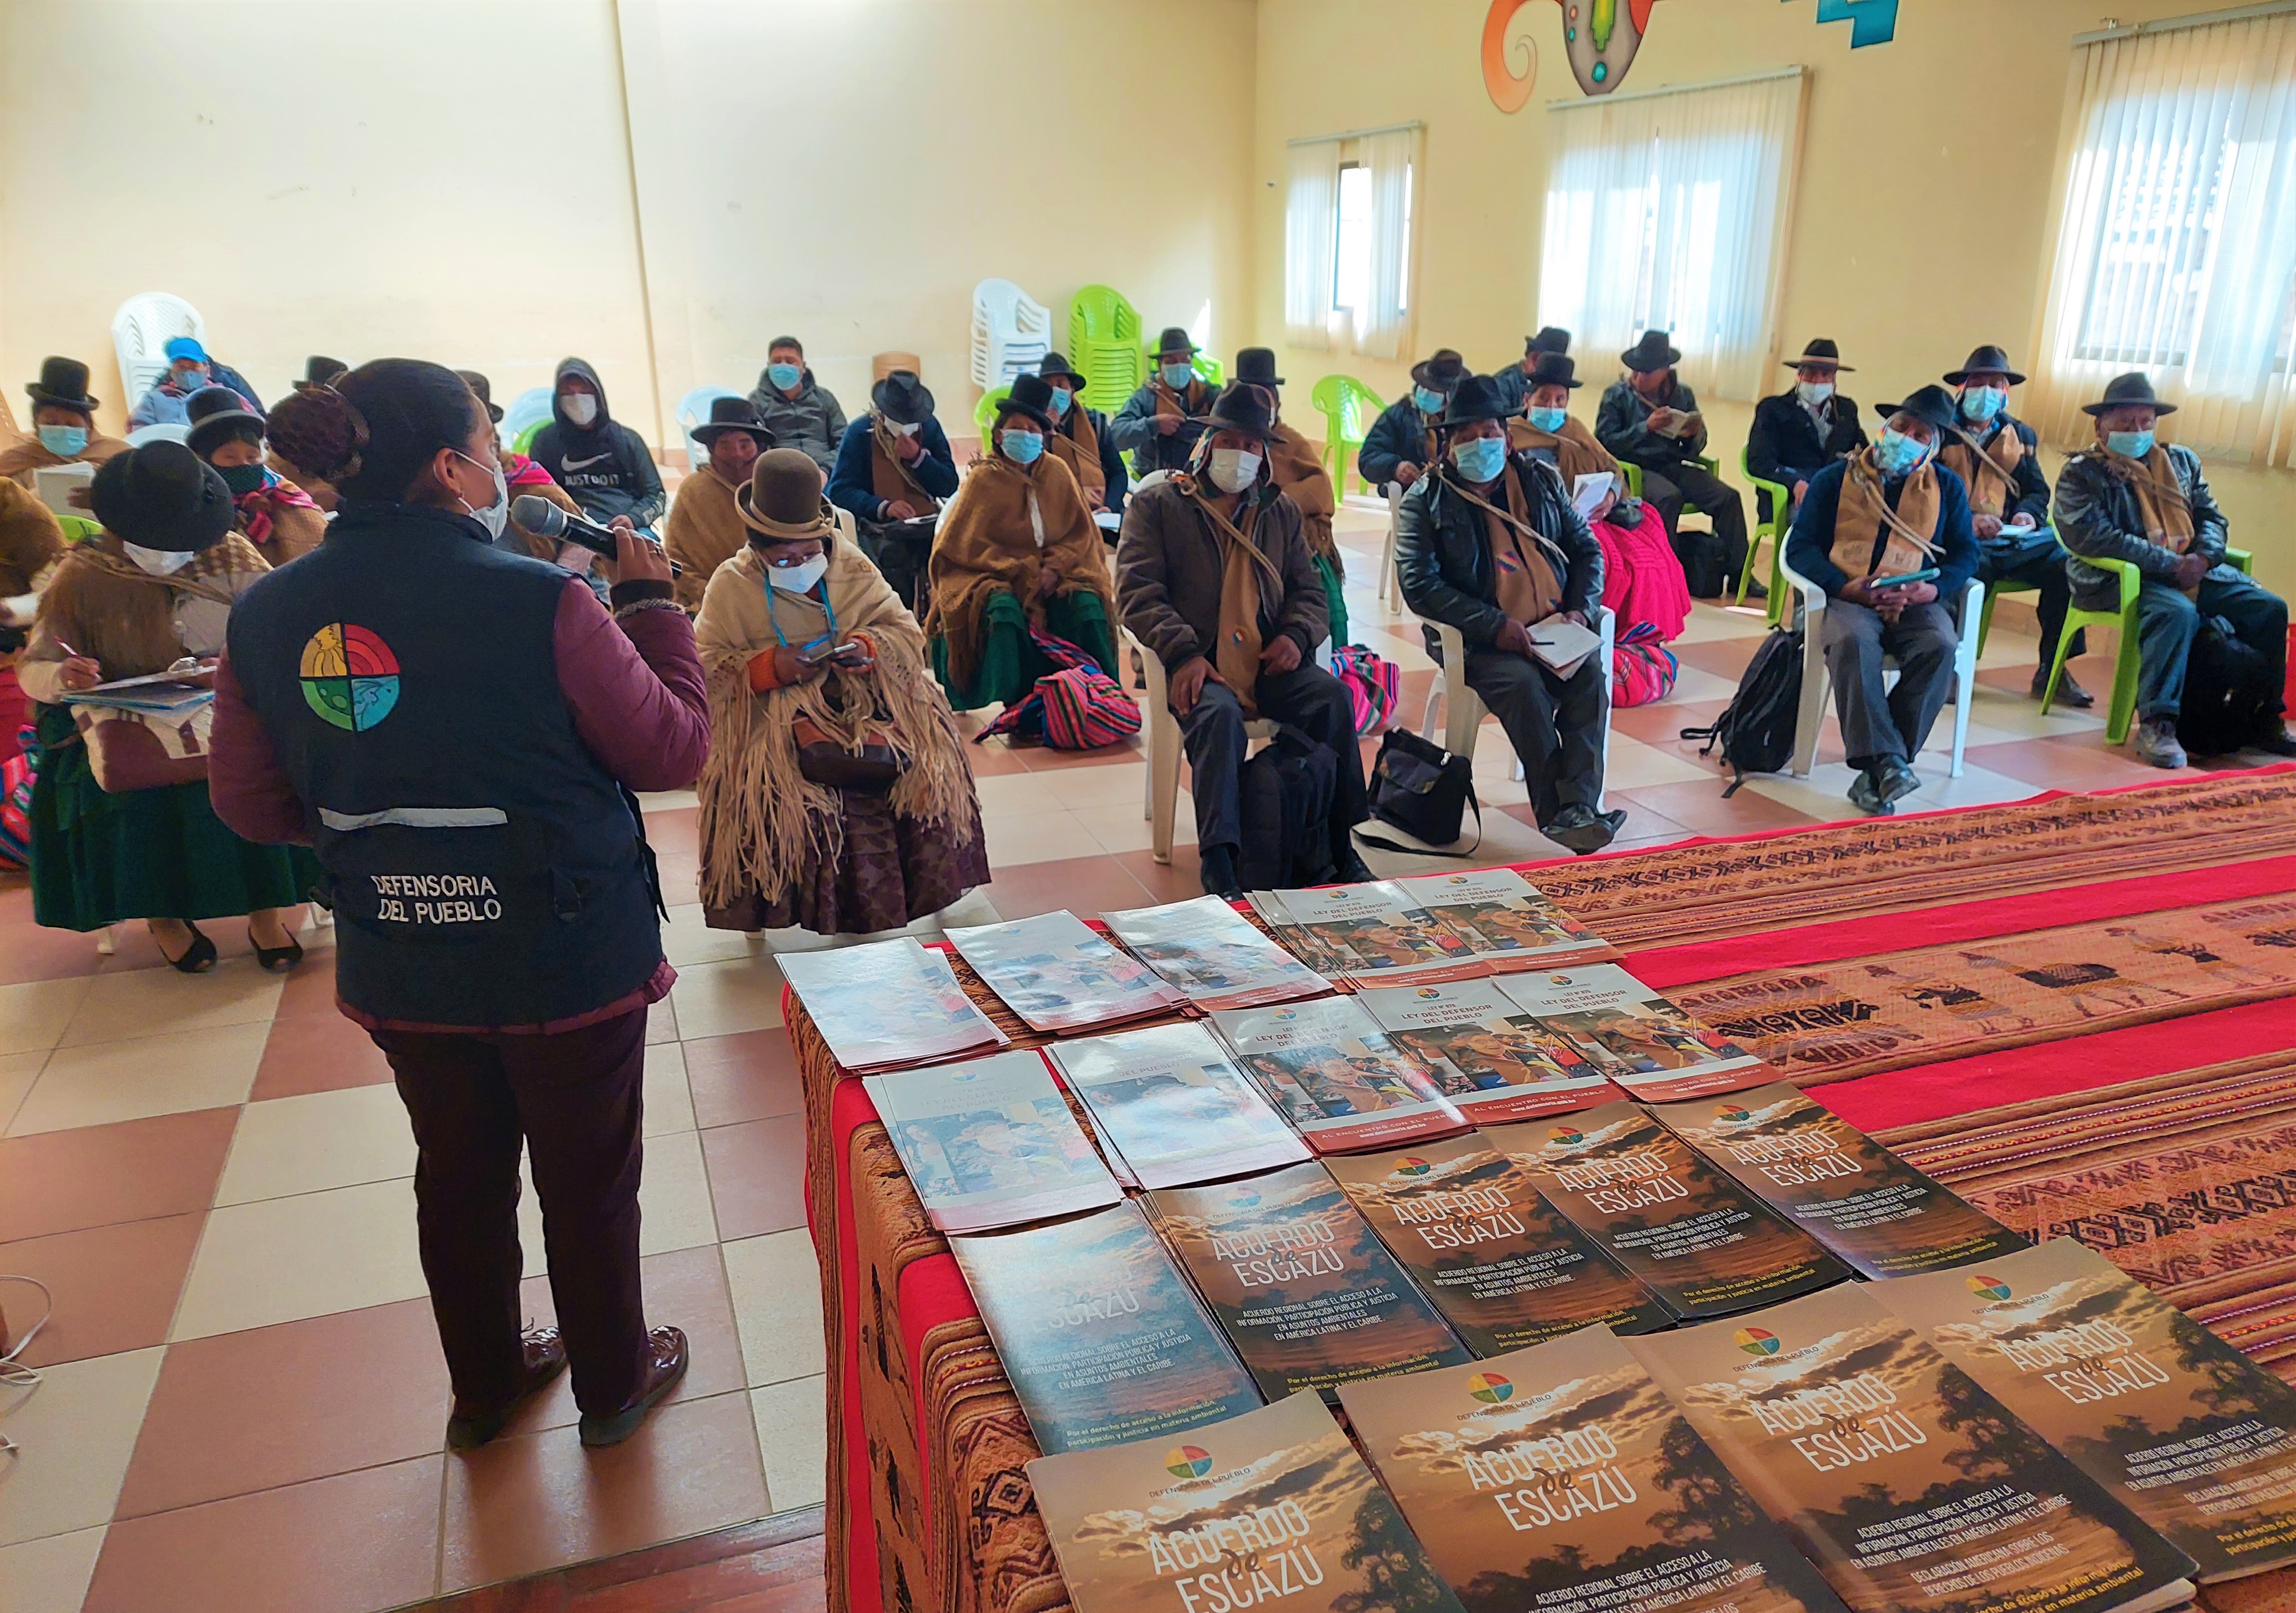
(455, 731)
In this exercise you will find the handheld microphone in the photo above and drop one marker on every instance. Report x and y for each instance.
(544, 518)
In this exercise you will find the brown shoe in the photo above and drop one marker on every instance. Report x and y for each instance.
(544, 1357)
(665, 1364)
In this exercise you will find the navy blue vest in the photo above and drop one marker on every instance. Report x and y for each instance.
(487, 869)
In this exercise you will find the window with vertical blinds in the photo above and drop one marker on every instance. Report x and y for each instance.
(2175, 249)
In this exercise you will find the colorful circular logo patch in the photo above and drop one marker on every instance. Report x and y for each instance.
(1734, 1114)
(1489, 1388)
(1426, 992)
(1412, 1164)
(350, 677)
(1986, 1287)
(1569, 1136)
(1756, 1340)
(1187, 1462)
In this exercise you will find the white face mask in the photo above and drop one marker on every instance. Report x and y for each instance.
(1815, 393)
(1234, 469)
(798, 579)
(580, 407)
(495, 516)
(158, 562)
(911, 430)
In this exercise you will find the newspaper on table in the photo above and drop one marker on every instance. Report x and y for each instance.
(1633, 1034)
(888, 1004)
(1212, 954)
(1173, 1105)
(1506, 920)
(1372, 934)
(1058, 975)
(990, 1142)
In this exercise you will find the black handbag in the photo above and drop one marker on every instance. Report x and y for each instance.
(1426, 791)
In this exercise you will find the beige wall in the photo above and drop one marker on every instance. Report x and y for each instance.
(453, 179)
(1927, 190)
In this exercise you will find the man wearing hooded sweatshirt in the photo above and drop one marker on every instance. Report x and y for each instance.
(602, 464)
(799, 412)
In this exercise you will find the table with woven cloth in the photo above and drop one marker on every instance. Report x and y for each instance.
(1924, 968)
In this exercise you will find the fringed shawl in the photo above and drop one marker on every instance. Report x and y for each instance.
(989, 542)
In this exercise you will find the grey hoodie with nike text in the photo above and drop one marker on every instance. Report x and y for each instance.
(604, 466)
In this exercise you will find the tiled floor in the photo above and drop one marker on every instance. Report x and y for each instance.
(244, 1400)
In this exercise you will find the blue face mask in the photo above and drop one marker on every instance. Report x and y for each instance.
(1549, 420)
(1898, 455)
(1430, 403)
(2135, 444)
(1020, 447)
(190, 381)
(785, 376)
(1480, 459)
(1061, 396)
(1178, 376)
(63, 441)
(1983, 403)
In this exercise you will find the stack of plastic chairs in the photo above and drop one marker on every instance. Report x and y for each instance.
(694, 410)
(1104, 338)
(1011, 333)
(140, 331)
(1349, 408)
(527, 414)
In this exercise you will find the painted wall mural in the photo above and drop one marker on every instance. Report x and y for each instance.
(1600, 38)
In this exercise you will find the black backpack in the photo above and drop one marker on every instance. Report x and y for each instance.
(2230, 698)
(1756, 730)
(1286, 809)
(1703, 561)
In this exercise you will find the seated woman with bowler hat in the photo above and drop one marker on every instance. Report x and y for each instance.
(705, 530)
(894, 464)
(63, 425)
(271, 512)
(837, 795)
(1017, 555)
(159, 584)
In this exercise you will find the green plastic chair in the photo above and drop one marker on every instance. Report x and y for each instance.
(984, 415)
(2121, 711)
(1104, 338)
(80, 528)
(1349, 407)
(1775, 529)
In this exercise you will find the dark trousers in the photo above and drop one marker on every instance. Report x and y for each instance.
(575, 1100)
(2167, 623)
(1878, 721)
(1694, 487)
(1554, 723)
(1309, 699)
(2038, 558)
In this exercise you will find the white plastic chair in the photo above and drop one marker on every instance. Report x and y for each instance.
(1164, 751)
(1011, 332)
(694, 410)
(1389, 585)
(140, 331)
(1464, 714)
(161, 431)
(1809, 721)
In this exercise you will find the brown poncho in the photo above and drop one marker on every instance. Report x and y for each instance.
(704, 531)
(1988, 468)
(2160, 501)
(891, 478)
(102, 604)
(1297, 468)
(27, 454)
(1576, 452)
(762, 824)
(1078, 446)
(1003, 527)
(29, 538)
(1864, 515)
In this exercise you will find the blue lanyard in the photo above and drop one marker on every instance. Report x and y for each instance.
(773, 621)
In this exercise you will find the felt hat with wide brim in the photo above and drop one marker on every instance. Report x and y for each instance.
(320, 371)
(732, 414)
(217, 415)
(1477, 398)
(1440, 371)
(1032, 396)
(2123, 391)
(62, 385)
(901, 398)
(1931, 404)
(1552, 369)
(781, 502)
(1242, 406)
(1653, 352)
(1822, 352)
(1175, 340)
(1551, 338)
(480, 387)
(1984, 359)
(1257, 365)
(162, 495)
(1057, 368)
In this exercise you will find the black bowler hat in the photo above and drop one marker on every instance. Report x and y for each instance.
(162, 495)
(1932, 405)
(1244, 406)
(1653, 352)
(732, 414)
(2123, 390)
(1986, 357)
(218, 416)
(1551, 338)
(63, 385)
(1477, 398)
(1057, 368)
(1257, 365)
(901, 398)
(480, 387)
(1822, 351)
(320, 371)
(1175, 340)
(1440, 371)
(1032, 396)
(1554, 369)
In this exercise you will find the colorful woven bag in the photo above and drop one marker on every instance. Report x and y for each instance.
(1375, 685)
(1642, 670)
(1078, 708)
